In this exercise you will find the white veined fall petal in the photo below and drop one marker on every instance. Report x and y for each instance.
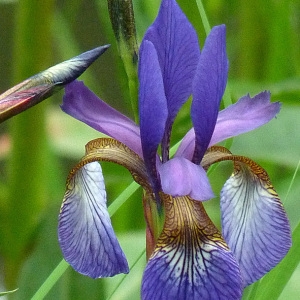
(191, 260)
(255, 225)
(85, 232)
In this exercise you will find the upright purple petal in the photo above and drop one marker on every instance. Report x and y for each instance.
(152, 107)
(85, 233)
(254, 223)
(208, 88)
(245, 115)
(82, 104)
(176, 44)
(191, 261)
(181, 177)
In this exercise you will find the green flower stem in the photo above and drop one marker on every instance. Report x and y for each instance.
(27, 169)
(121, 199)
(8, 292)
(123, 24)
(124, 275)
(204, 17)
(51, 280)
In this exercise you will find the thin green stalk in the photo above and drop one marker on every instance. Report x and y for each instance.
(292, 182)
(124, 276)
(123, 23)
(51, 280)
(204, 17)
(7, 292)
(121, 199)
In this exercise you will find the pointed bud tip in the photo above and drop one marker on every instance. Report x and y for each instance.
(93, 54)
(42, 85)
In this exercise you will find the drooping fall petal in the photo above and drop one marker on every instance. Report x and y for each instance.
(208, 88)
(86, 236)
(41, 86)
(191, 260)
(254, 222)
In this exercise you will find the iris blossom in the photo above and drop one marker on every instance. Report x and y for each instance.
(190, 258)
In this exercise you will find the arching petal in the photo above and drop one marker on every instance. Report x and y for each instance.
(152, 107)
(254, 222)
(245, 115)
(208, 88)
(177, 47)
(85, 232)
(191, 260)
(82, 104)
(181, 177)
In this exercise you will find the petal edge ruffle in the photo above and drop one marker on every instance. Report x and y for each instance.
(243, 116)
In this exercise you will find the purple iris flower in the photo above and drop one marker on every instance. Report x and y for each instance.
(190, 258)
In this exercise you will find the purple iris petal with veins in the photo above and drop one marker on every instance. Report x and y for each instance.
(191, 257)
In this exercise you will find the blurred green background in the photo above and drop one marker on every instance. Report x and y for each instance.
(38, 147)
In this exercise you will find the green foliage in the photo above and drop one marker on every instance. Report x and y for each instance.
(38, 148)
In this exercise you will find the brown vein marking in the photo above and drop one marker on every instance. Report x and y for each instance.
(187, 224)
(111, 150)
(241, 163)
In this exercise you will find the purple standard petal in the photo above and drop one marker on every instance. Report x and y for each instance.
(85, 232)
(208, 88)
(180, 177)
(191, 260)
(245, 115)
(254, 222)
(152, 107)
(177, 47)
(82, 104)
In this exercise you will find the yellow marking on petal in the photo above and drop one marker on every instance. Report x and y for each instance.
(191, 259)
(154, 221)
(111, 150)
(214, 154)
(187, 223)
(218, 153)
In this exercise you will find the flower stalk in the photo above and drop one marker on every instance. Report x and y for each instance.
(122, 19)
